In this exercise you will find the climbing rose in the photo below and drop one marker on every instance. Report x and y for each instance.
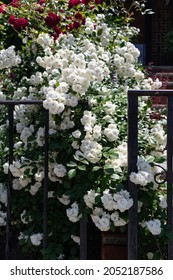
(52, 19)
(18, 23)
(15, 3)
(73, 3)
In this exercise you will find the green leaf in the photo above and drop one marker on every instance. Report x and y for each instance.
(72, 164)
(160, 160)
(96, 168)
(115, 177)
(71, 173)
(99, 32)
(84, 161)
(81, 167)
(108, 169)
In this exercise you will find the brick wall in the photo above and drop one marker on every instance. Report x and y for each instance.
(161, 23)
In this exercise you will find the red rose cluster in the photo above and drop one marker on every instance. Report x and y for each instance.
(15, 3)
(18, 23)
(56, 23)
(52, 19)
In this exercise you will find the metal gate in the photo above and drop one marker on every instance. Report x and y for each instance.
(132, 161)
(10, 104)
(132, 164)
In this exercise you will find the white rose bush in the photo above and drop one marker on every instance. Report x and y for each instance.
(83, 78)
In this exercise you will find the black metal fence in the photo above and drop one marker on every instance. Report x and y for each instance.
(132, 164)
(132, 161)
(10, 104)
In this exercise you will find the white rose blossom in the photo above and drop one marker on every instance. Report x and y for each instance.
(36, 239)
(154, 226)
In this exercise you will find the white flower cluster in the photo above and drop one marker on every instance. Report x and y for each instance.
(45, 40)
(3, 216)
(21, 180)
(65, 199)
(60, 170)
(154, 226)
(2, 96)
(3, 194)
(76, 239)
(90, 149)
(36, 239)
(35, 188)
(89, 198)
(157, 135)
(144, 175)
(23, 236)
(24, 218)
(56, 172)
(125, 59)
(19, 172)
(163, 201)
(120, 201)
(102, 219)
(73, 213)
(78, 72)
(8, 58)
(111, 132)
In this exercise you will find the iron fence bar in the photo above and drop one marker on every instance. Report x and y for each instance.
(11, 104)
(46, 179)
(170, 171)
(132, 167)
(159, 92)
(10, 181)
(20, 102)
(83, 240)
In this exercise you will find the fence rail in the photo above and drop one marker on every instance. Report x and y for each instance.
(10, 104)
(132, 164)
(132, 161)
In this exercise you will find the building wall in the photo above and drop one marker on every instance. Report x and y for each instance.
(161, 23)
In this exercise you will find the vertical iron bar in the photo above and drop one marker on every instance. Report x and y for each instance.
(46, 180)
(83, 240)
(170, 171)
(132, 167)
(10, 181)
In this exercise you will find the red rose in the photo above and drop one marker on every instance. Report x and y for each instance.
(86, 2)
(83, 21)
(70, 26)
(98, 1)
(76, 24)
(18, 23)
(78, 16)
(52, 19)
(57, 30)
(41, 2)
(11, 19)
(73, 3)
(15, 3)
(3, 8)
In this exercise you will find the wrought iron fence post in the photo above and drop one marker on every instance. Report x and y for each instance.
(83, 240)
(10, 181)
(170, 171)
(132, 167)
(46, 180)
